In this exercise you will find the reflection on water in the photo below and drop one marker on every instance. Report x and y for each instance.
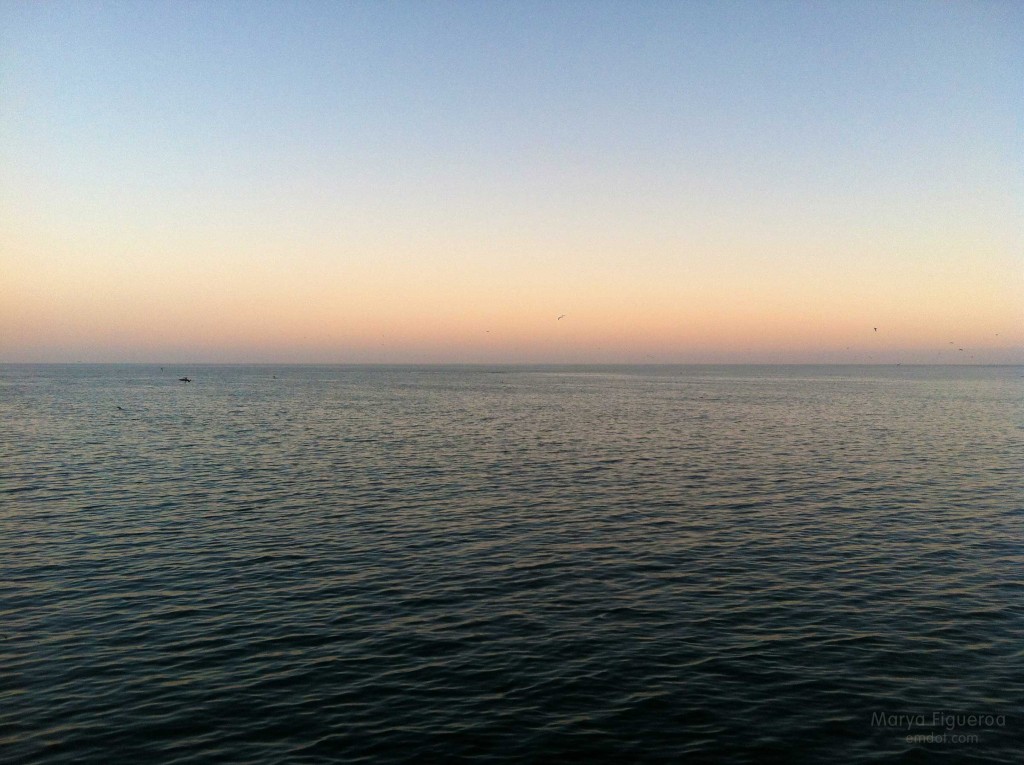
(739, 564)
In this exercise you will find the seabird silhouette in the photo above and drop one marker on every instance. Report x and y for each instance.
(560, 317)
(876, 329)
(184, 379)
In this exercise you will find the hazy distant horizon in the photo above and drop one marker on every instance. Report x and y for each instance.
(181, 363)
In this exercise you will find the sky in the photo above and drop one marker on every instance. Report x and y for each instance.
(420, 182)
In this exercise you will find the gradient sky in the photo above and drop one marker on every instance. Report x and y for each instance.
(438, 181)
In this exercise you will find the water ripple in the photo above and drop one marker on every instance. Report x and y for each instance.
(304, 564)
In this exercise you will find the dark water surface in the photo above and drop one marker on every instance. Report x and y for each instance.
(628, 564)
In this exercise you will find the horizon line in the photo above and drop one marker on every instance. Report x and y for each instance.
(507, 364)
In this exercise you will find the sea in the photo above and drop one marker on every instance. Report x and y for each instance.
(505, 564)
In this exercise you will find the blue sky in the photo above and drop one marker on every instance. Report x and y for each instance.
(456, 163)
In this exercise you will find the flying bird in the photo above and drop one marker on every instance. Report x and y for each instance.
(184, 379)
(560, 317)
(876, 329)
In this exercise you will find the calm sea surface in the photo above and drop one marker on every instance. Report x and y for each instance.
(603, 564)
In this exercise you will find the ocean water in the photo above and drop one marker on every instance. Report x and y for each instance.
(511, 564)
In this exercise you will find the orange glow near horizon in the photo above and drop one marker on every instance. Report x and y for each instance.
(212, 312)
